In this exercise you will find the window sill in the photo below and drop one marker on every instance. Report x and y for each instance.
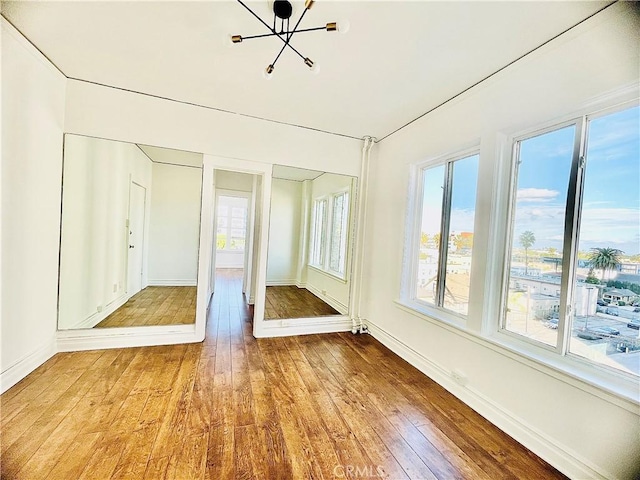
(433, 314)
(615, 387)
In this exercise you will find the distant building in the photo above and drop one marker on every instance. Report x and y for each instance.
(543, 295)
(618, 295)
(629, 268)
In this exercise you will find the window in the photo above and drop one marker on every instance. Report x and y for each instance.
(338, 233)
(329, 233)
(319, 222)
(574, 229)
(231, 227)
(443, 241)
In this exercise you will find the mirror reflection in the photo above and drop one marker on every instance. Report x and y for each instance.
(310, 236)
(129, 234)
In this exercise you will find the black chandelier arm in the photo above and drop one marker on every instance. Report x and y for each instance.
(255, 15)
(286, 42)
(284, 33)
(290, 34)
(273, 64)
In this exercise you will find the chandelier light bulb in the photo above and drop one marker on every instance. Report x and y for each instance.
(343, 26)
(227, 42)
(268, 72)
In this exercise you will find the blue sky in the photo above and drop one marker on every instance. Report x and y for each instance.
(611, 202)
(463, 197)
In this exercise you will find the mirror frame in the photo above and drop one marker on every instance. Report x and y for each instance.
(346, 277)
(309, 325)
(136, 336)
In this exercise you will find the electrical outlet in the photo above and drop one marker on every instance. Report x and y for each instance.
(115, 287)
(324, 292)
(99, 308)
(459, 377)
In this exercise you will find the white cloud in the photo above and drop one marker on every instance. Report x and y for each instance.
(536, 195)
(600, 227)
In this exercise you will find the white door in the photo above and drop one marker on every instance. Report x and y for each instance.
(137, 198)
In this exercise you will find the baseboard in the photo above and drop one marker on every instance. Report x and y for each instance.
(281, 283)
(173, 283)
(560, 456)
(97, 317)
(105, 338)
(303, 326)
(339, 306)
(26, 365)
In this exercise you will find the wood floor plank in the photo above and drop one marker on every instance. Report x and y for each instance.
(353, 415)
(155, 305)
(290, 301)
(233, 406)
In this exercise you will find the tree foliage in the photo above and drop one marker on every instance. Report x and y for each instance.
(634, 287)
(527, 239)
(605, 258)
(591, 278)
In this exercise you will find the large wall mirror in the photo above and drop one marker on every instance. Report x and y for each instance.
(310, 243)
(129, 234)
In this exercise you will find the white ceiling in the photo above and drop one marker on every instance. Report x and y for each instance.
(398, 60)
(293, 173)
(171, 156)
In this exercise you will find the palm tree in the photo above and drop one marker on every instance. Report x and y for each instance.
(527, 239)
(604, 259)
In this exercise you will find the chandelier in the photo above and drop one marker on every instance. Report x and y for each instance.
(280, 28)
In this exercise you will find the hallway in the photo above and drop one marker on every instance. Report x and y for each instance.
(316, 406)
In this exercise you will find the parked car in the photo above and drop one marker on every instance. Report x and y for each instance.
(602, 303)
(612, 311)
(588, 335)
(551, 323)
(605, 330)
(634, 323)
(636, 310)
(553, 316)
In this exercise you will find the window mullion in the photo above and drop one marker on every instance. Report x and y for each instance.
(570, 245)
(444, 231)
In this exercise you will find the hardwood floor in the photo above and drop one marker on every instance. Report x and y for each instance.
(155, 306)
(236, 407)
(292, 302)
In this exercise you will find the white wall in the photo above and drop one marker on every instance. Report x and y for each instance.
(284, 232)
(241, 182)
(97, 179)
(580, 429)
(174, 226)
(109, 113)
(33, 95)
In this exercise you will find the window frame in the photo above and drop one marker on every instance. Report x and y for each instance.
(558, 356)
(344, 238)
(408, 289)
(325, 265)
(229, 216)
(315, 248)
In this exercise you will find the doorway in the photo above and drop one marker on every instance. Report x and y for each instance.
(135, 256)
(232, 215)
